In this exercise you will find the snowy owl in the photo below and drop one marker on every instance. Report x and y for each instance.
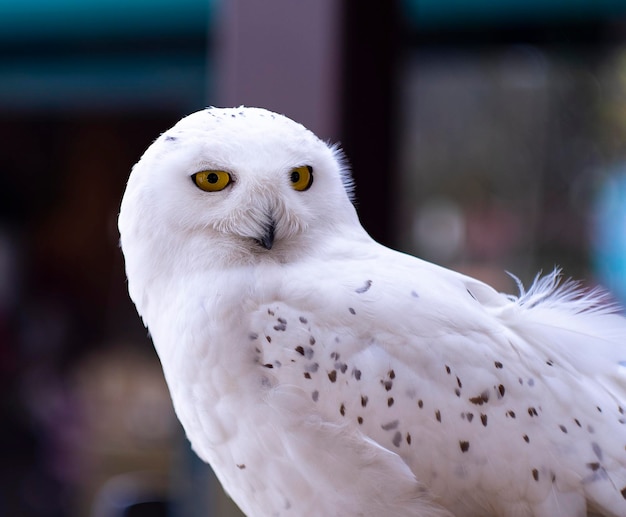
(322, 374)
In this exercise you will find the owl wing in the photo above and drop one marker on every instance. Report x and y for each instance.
(500, 405)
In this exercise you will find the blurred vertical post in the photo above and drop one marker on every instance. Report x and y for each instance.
(283, 56)
(372, 40)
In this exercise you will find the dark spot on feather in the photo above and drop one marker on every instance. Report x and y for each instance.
(593, 466)
(332, 375)
(498, 364)
(303, 319)
(391, 374)
(388, 385)
(563, 428)
(359, 419)
(270, 312)
(447, 369)
(420, 403)
(458, 382)
(470, 293)
(483, 419)
(501, 390)
(596, 450)
(510, 413)
(352, 311)
(535, 474)
(481, 399)
(241, 466)
(623, 492)
(169, 138)
(368, 284)
(408, 438)
(280, 327)
(390, 402)
(342, 410)
(591, 429)
(532, 411)
(599, 409)
(312, 367)
(282, 320)
(390, 425)
(307, 375)
(457, 392)
(470, 417)
(577, 422)
(300, 349)
(311, 341)
(253, 336)
(341, 366)
(464, 445)
(414, 294)
(308, 352)
(526, 439)
(438, 415)
(315, 395)
(356, 373)
(364, 400)
(549, 362)
(334, 355)
(269, 339)
(531, 382)
(268, 365)
(397, 439)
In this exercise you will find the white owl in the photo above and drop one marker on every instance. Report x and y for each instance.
(322, 374)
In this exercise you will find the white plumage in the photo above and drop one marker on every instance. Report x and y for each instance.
(320, 373)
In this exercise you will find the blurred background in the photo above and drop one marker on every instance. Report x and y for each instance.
(486, 136)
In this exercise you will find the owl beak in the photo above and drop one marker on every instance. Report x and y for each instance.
(267, 240)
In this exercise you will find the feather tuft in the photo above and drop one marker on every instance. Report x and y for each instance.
(552, 291)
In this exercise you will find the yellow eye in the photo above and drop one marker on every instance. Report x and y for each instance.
(301, 177)
(212, 181)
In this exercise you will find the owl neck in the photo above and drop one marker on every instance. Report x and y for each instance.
(158, 263)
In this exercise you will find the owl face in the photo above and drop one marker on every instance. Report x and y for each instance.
(240, 179)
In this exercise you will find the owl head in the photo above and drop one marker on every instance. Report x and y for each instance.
(231, 186)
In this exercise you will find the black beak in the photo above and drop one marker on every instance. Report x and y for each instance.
(267, 240)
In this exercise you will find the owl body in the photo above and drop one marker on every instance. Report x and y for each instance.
(320, 373)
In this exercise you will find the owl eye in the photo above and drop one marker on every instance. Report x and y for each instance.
(301, 177)
(212, 181)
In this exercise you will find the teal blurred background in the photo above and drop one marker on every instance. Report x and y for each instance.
(485, 136)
